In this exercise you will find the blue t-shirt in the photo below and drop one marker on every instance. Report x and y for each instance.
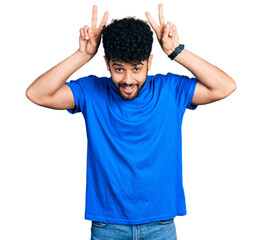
(134, 151)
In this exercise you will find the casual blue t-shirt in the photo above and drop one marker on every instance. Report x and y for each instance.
(134, 152)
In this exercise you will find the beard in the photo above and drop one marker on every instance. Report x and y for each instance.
(132, 95)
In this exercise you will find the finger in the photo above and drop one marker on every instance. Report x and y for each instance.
(174, 30)
(161, 14)
(167, 31)
(94, 17)
(91, 37)
(85, 32)
(104, 20)
(171, 32)
(151, 21)
(82, 33)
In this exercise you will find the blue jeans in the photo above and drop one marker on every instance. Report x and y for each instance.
(159, 230)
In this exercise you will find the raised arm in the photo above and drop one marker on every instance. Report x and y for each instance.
(213, 84)
(50, 90)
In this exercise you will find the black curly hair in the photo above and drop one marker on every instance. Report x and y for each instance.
(127, 40)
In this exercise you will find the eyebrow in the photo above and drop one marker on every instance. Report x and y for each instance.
(135, 64)
(117, 64)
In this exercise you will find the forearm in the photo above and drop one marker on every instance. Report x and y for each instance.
(49, 82)
(208, 74)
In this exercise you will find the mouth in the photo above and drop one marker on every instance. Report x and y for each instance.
(128, 89)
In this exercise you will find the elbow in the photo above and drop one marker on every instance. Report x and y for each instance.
(27, 93)
(231, 90)
(32, 96)
(234, 87)
(227, 89)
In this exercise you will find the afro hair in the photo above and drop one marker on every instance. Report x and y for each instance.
(127, 40)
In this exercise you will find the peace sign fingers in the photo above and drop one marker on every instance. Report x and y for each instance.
(158, 29)
(94, 17)
(151, 21)
(90, 37)
(161, 15)
(103, 21)
(166, 33)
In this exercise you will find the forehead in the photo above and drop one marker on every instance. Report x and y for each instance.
(125, 64)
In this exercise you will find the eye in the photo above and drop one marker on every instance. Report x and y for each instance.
(119, 69)
(136, 69)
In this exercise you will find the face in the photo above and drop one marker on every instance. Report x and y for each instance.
(129, 78)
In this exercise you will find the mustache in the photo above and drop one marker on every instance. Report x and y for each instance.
(127, 85)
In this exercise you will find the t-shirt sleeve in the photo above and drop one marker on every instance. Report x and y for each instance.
(79, 88)
(183, 88)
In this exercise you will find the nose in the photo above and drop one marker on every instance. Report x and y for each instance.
(128, 78)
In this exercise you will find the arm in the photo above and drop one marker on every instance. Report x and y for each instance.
(49, 89)
(42, 90)
(213, 84)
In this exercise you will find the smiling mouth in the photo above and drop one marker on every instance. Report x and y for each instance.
(128, 89)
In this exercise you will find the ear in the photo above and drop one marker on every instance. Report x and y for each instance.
(150, 61)
(107, 64)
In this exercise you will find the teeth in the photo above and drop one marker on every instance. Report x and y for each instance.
(128, 87)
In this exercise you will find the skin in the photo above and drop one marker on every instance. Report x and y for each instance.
(50, 89)
(90, 37)
(213, 84)
(166, 33)
(122, 73)
(126, 74)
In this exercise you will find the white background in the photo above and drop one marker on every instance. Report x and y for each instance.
(43, 151)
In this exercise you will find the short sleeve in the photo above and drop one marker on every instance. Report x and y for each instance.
(184, 88)
(79, 89)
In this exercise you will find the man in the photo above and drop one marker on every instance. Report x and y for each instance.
(133, 121)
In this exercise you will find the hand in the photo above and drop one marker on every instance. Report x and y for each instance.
(90, 38)
(166, 33)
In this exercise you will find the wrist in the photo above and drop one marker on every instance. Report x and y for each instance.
(171, 50)
(176, 51)
(83, 55)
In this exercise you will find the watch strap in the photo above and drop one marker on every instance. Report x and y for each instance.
(176, 51)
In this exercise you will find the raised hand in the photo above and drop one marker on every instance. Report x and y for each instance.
(166, 33)
(90, 37)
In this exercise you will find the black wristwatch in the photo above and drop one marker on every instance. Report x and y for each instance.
(176, 52)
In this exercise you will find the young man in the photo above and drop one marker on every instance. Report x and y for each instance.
(134, 185)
